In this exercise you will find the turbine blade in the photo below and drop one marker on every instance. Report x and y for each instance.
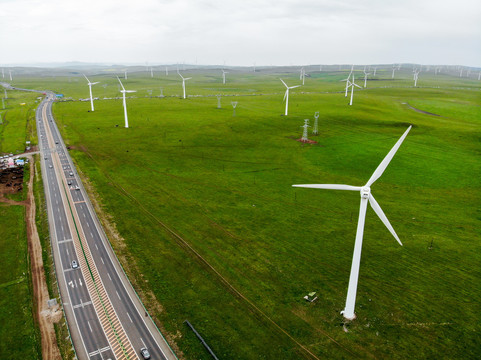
(330, 186)
(377, 209)
(130, 91)
(383, 165)
(284, 83)
(357, 85)
(180, 75)
(187, 78)
(293, 87)
(121, 83)
(285, 94)
(86, 78)
(97, 82)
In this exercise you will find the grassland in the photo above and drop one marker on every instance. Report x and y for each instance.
(247, 246)
(18, 122)
(19, 335)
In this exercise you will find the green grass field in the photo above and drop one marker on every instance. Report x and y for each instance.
(18, 123)
(247, 246)
(19, 334)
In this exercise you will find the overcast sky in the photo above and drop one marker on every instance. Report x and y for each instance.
(241, 32)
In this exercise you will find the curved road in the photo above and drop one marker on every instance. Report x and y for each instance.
(106, 318)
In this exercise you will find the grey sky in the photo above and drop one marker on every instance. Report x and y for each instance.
(241, 32)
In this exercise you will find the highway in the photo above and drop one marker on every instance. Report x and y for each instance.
(106, 318)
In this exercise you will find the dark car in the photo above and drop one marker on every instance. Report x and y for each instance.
(145, 353)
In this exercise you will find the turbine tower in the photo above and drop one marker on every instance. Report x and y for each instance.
(286, 95)
(10, 73)
(352, 89)
(366, 197)
(183, 82)
(393, 70)
(90, 89)
(123, 91)
(125, 75)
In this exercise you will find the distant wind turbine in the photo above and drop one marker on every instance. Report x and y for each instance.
(125, 75)
(365, 76)
(10, 73)
(223, 76)
(393, 70)
(286, 95)
(90, 89)
(366, 197)
(183, 82)
(123, 91)
(416, 75)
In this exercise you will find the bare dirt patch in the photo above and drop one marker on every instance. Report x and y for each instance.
(11, 180)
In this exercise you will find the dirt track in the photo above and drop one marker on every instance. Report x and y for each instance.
(46, 317)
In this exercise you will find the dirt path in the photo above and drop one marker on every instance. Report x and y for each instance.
(421, 111)
(46, 317)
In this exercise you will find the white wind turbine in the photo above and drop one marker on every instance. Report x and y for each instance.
(416, 75)
(183, 81)
(393, 70)
(366, 197)
(123, 91)
(125, 75)
(352, 84)
(90, 89)
(10, 73)
(286, 95)
(365, 76)
(348, 83)
(223, 76)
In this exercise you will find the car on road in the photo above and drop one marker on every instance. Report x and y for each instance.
(145, 353)
(74, 264)
(77, 187)
(70, 173)
(50, 166)
(69, 182)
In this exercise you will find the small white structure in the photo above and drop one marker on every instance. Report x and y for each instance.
(234, 105)
(304, 132)
(316, 118)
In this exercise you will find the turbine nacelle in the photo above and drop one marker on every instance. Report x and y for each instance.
(365, 192)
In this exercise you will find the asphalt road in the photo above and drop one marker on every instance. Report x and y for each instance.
(106, 318)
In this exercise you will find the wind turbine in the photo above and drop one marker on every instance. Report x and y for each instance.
(393, 70)
(183, 82)
(90, 89)
(123, 91)
(125, 75)
(286, 95)
(223, 76)
(366, 197)
(365, 76)
(303, 75)
(416, 75)
(352, 88)
(10, 73)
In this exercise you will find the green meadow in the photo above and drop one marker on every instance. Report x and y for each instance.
(18, 121)
(213, 229)
(20, 338)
